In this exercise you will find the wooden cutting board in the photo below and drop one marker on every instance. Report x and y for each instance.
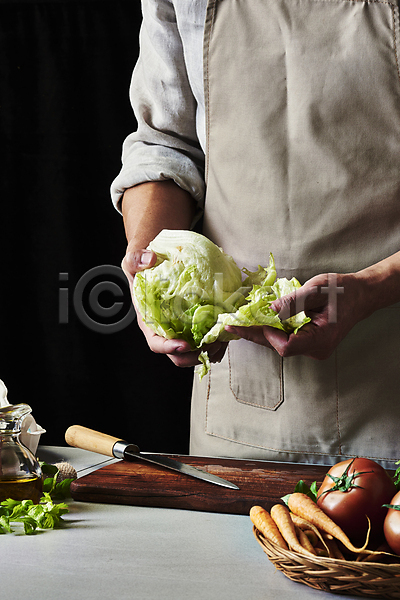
(142, 484)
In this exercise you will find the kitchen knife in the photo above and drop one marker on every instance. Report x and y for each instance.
(94, 441)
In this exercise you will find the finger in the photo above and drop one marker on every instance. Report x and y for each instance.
(305, 299)
(183, 358)
(216, 351)
(252, 334)
(179, 351)
(138, 260)
(304, 342)
(314, 295)
(161, 345)
(278, 340)
(285, 306)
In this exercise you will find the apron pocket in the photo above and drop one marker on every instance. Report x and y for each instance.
(296, 427)
(255, 375)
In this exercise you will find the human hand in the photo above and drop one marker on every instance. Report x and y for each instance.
(179, 351)
(137, 260)
(334, 302)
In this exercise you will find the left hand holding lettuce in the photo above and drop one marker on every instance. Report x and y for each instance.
(195, 290)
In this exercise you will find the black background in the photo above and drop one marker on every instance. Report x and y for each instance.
(65, 70)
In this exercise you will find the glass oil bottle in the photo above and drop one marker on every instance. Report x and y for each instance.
(20, 472)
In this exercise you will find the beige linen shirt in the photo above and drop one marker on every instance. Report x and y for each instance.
(167, 96)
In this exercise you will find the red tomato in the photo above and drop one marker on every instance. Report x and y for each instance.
(362, 488)
(391, 525)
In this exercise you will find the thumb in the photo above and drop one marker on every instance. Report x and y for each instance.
(285, 306)
(307, 297)
(137, 260)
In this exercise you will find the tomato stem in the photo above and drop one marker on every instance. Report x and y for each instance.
(345, 482)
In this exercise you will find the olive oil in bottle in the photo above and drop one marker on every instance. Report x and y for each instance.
(20, 472)
(28, 488)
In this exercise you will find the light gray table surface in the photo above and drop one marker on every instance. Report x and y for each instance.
(128, 552)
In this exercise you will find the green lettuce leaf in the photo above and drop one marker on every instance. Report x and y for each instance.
(257, 311)
(204, 366)
(192, 283)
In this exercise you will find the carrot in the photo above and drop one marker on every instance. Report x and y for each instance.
(263, 521)
(283, 520)
(304, 540)
(305, 507)
(311, 536)
(334, 550)
(306, 525)
(378, 556)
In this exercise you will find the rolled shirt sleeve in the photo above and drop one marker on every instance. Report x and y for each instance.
(165, 145)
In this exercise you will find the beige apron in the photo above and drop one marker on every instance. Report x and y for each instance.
(303, 160)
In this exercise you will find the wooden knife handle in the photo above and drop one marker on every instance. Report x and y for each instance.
(89, 439)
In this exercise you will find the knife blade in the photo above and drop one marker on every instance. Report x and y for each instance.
(102, 443)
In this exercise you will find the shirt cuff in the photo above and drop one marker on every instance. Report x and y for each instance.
(157, 163)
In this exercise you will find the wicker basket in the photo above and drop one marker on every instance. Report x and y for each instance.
(368, 579)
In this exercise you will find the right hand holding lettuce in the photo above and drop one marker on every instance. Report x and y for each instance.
(195, 290)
